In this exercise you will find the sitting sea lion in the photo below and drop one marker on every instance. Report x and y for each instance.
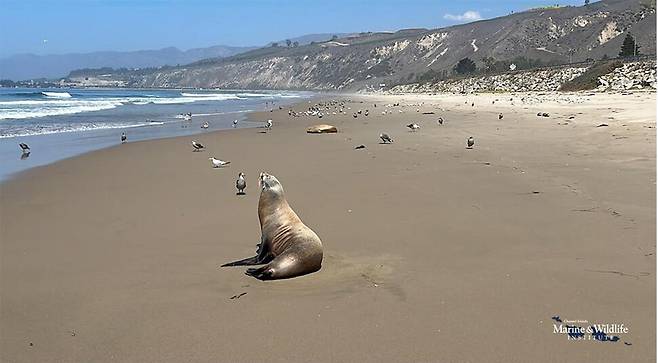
(288, 247)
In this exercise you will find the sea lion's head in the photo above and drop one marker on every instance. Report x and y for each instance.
(269, 183)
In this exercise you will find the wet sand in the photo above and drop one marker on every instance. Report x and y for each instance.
(433, 252)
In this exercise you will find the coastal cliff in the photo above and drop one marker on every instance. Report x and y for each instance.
(374, 61)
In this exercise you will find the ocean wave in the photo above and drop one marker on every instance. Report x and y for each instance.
(47, 103)
(57, 94)
(56, 110)
(56, 129)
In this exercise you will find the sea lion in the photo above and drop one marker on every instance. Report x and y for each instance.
(288, 248)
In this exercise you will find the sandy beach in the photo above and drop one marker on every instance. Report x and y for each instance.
(432, 252)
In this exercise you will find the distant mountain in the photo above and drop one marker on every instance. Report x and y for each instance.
(551, 35)
(30, 66)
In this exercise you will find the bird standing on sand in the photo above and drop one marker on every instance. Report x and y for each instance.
(470, 142)
(385, 138)
(413, 127)
(24, 147)
(205, 125)
(124, 138)
(268, 125)
(440, 121)
(197, 145)
(235, 123)
(240, 184)
(500, 116)
(216, 163)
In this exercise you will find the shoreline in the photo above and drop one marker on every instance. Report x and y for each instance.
(433, 252)
(55, 146)
(245, 115)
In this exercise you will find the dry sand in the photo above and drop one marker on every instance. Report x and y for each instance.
(432, 252)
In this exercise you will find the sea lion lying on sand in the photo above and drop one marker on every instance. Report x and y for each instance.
(322, 129)
(288, 247)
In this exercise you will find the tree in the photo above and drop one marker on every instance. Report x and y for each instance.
(629, 48)
(288, 43)
(274, 45)
(295, 44)
(465, 66)
(334, 37)
(586, 2)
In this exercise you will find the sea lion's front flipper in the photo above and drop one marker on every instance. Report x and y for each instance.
(263, 256)
(246, 262)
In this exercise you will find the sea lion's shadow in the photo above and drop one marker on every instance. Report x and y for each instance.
(343, 275)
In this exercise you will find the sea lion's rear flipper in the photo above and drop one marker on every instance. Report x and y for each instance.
(261, 273)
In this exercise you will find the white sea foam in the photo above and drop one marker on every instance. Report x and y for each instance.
(55, 129)
(55, 109)
(57, 94)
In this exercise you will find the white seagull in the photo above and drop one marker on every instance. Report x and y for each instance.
(385, 138)
(24, 147)
(268, 125)
(216, 163)
(470, 142)
(413, 127)
(197, 145)
(205, 125)
(235, 123)
(124, 138)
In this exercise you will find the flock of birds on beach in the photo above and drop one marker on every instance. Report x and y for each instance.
(335, 107)
(319, 110)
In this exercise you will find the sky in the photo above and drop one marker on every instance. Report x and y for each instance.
(80, 26)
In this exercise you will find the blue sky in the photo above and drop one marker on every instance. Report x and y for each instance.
(64, 26)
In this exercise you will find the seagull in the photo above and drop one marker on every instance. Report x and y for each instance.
(500, 116)
(124, 138)
(235, 123)
(470, 142)
(240, 184)
(197, 145)
(413, 127)
(205, 125)
(216, 163)
(24, 147)
(385, 138)
(440, 121)
(268, 125)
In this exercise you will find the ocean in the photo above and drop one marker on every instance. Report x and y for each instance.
(61, 123)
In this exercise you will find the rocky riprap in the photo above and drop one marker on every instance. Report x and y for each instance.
(522, 81)
(636, 75)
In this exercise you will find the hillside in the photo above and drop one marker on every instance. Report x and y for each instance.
(30, 66)
(546, 36)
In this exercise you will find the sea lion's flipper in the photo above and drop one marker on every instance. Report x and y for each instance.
(263, 256)
(261, 273)
(246, 262)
